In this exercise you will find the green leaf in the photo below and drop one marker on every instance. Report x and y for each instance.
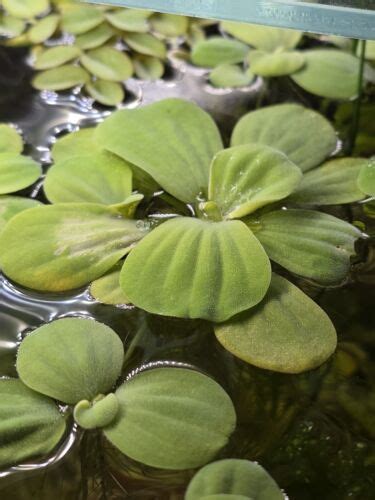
(233, 479)
(78, 19)
(56, 56)
(95, 37)
(25, 9)
(65, 246)
(305, 136)
(263, 37)
(370, 50)
(146, 44)
(245, 178)
(172, 140)
(275, 63)
(329, 73)
(30, 424)
(190, 268)
(230, 76)
(107, 288)
(98, 413)
(11, 27)
(107, 93)
(332, 183)
(172, 418)
(133, 20)
(71, 359)
(312, 244)
(43, 29)
(287, 332)
(366, 179)
(108, 63)
(169, 25)
(218, 50)
(147, 67)
(11, 206)
(10, 140)
(100, 178)
(79, 143)
(17, 172)
(61, 78)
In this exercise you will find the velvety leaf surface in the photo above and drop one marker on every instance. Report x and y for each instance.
(191, 268)
(100, 178)
(98, 413)
(329, 73)
(30, 424)
(133, 20)
(107, 289)
(78, 19)
(245, 178)
(218, 50)
(148, 67)
(25, 9)
(79, 143)
(233, 479)
(169, 25)
(71, 359)
(56, 56)
(230, 76)
(305, 136)
(172, 140)
(332, 183)
(107, 93)
(95, 37)
(366, 179)
(172, 418)
(10, 139)
(108, 63)
(146, 44)
(65, 246)
(43, 29)
(12, 205)
(287, 332)
(275, 63)
(61, 78)
(263, 37)
(17, 172)
(309, 243)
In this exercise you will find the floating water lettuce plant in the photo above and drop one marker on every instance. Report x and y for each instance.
(273, 52)
(233, 479)
(77, 362)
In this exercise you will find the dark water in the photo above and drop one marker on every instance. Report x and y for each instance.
(313, 432)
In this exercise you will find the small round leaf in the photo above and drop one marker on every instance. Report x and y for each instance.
(108, 63)
(17, 172)
(287, 332)
(217, 50)
(230, 76)
(172, 418)
(169, 25)
(191, 268)
(131, 20)
(61, 78)
(148, 67)
(10, 140)
(78, 19)
(366, 179)
(275, 63)
(56, 56)
(105, 92)
(98, 413)
(43, 29)
(146, 44)
(71, 359)
(11, 27)
(233, 479)
(30, 424)
(25, 9)
(95, 37)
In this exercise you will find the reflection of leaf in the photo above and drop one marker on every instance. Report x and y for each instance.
(172, 418)
(100, 178)
(10, 139)
(366, 179)
(218, 50)
(309, 243)
(230, 75)
(65, 246)
(305, 136)
(107, 288)
(332, 183)
(192, 268)
(178, 142)
(11, 206)
(287, 332)
(71, 359)
(108, 63)
(30, 424)
(233, 479)
(17, 172)
(275, 63)
(61, 78)
(245, 178)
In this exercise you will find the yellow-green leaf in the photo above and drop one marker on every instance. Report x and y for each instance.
(217, 50)
(25, 9)
(230, 76)
(78, 19)
(366, 179)
(105, 92)
(107, 289)
(43, 29)
(12, 205)
(108, 63)
(95, 37)
(270, 64)
(61, 78)
(10, 140)
(17, 172)
(56, 56)
(133, 20)
(169, 25)
(147, 44)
